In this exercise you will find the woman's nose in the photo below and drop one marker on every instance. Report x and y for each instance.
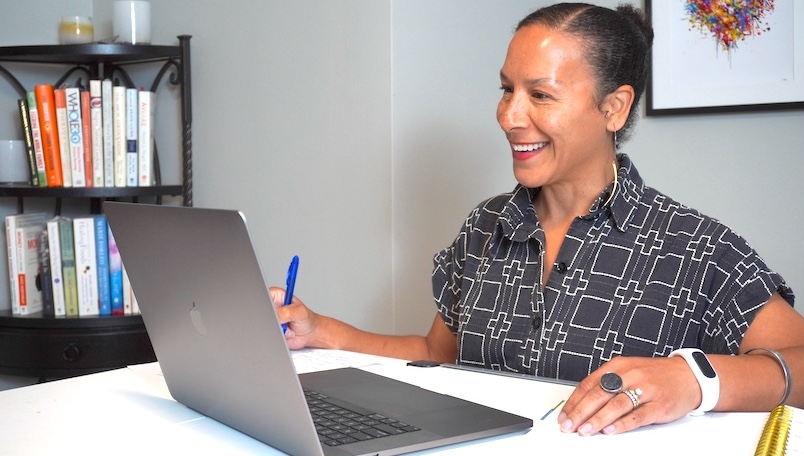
(511, 113)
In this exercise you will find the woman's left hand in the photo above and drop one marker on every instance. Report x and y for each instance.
(664, 389)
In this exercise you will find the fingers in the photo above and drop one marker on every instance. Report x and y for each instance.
(277, 296)
(636, 392)
(591, 409)
(283, 313)
(615, 414)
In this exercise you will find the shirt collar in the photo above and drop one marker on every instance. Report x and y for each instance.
(518, 220)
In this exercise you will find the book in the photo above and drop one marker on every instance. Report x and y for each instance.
(108, 133)
(86, 131)
(130, 306)
(96, 129)
(64, 136)
(146, 138)
(43, 278)
(48, 127)
(68, 270)
(102, 265)
(135, 308)
(56, 275)
(85, 265)
(115, 276)
(781, 432)
(25, 121)
(119, 134)
(132, 105)
(86, 128)
(22, 241)
(36, 137)
(76, 129)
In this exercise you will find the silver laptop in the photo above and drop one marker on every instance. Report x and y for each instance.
(209, 316)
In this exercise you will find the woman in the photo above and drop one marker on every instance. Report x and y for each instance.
(584, 273)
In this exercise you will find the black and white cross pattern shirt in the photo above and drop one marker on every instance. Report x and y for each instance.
(640, 277)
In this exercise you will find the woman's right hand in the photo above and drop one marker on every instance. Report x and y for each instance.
(300, 320)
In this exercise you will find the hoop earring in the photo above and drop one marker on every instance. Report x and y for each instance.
(616, 144)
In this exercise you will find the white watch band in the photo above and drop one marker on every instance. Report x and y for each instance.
(706, 376)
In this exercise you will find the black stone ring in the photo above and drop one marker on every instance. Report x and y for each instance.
(611, 383)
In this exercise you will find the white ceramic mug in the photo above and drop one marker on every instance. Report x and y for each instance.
(13, 162)
(131, 21)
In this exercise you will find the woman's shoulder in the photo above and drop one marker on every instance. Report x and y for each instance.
(685, 222)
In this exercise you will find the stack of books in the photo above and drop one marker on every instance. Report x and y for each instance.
(96, 137)
(65, 267)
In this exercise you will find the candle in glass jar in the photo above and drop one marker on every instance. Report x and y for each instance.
(76, 30)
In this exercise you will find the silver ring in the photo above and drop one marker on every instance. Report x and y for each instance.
(634, 396)
(611, 383)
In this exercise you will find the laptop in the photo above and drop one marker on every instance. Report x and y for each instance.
(208, 313)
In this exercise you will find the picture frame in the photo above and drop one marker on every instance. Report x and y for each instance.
(701, 62)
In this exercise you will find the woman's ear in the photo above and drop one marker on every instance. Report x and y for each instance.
(617, 107)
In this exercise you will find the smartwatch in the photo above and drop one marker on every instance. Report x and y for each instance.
(706, 376)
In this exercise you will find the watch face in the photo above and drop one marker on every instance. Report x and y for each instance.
(703, 363)
(611, 382)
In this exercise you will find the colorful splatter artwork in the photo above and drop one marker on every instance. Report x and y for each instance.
(729, 21)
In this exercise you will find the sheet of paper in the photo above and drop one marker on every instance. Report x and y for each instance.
(314, 359)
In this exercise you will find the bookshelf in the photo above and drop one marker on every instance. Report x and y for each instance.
(50, 348)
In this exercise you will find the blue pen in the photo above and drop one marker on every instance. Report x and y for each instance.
(290, 284)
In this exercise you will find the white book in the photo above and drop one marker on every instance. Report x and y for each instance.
(108, 133)
(119, 134)
(22, 241)
(85, 265)
(135, 308)
(146, 138)
(96, 127)
(130, 306)
(64, 136)
(132, 104)
(76, 135)
(126, 293)
(56, 277)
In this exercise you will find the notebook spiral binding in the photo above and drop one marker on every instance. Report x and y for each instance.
(773, 441)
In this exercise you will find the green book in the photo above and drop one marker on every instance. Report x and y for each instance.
(68, 268)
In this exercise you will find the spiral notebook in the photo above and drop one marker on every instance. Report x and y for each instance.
(782, 434)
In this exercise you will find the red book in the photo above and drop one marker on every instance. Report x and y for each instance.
(87, 132)
(48, 126)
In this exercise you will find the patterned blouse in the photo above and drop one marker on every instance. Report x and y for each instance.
(642, 276)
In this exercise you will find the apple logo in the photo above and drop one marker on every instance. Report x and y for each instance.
(198, 321)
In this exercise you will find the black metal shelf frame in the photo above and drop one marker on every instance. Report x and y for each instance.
(109, 60)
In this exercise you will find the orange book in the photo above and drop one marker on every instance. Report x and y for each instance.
(87, 132)
(48, 126)
(64, 136)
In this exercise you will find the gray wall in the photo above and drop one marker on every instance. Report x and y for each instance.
(359, 133)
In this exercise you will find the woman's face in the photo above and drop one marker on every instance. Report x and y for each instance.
(549, 111)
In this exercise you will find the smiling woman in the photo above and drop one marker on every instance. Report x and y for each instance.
(583, 272)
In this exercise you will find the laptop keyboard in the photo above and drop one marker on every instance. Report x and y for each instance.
(337, 425)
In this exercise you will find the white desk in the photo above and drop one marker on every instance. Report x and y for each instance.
(130, 411)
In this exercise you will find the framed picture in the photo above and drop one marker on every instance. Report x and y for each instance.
(710, 56)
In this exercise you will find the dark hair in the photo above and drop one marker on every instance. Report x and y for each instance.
(617, 44)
